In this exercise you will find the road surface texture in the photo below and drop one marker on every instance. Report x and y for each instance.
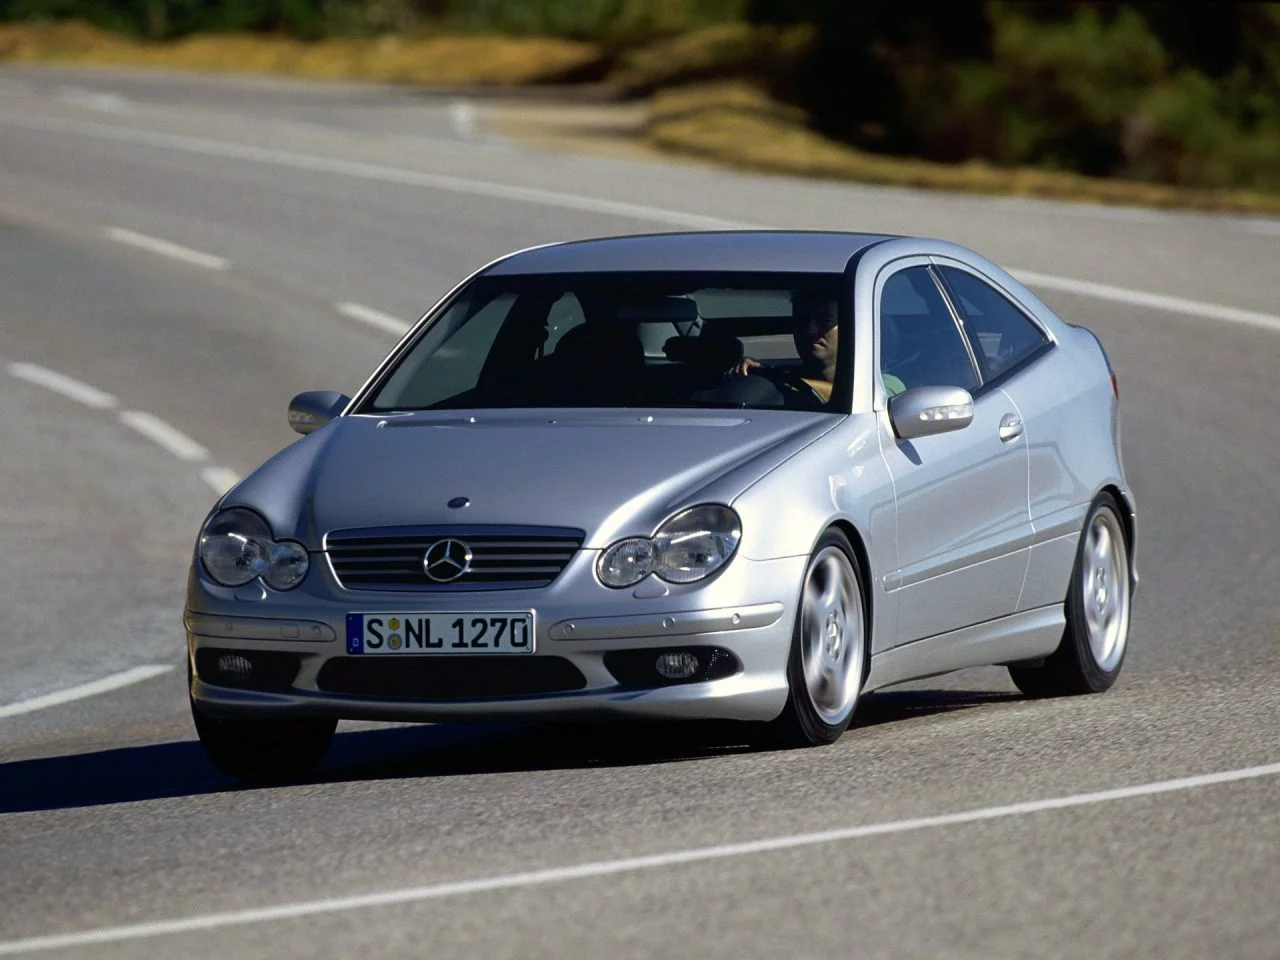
(179, 256)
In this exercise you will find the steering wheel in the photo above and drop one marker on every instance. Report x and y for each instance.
(795, 389)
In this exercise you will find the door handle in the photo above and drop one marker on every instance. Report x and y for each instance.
(1010, 427)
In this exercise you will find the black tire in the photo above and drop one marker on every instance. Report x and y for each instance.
(264, 751)
(802, 722)
(1074, 668)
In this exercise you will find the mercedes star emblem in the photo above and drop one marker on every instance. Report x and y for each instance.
(446, 560)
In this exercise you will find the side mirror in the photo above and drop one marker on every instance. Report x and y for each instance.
(923, 411)
(312, 410)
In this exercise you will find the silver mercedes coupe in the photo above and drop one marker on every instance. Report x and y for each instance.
(727, 476)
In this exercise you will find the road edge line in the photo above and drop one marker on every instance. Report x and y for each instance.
(600, 868)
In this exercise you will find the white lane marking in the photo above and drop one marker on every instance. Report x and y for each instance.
(377, 172)
(166, 249)
(462, 117)
(61, 383)
(603, 868)
(374, 318)
(1266, 227)
(94, 100)
(163, 435)
(220, 478)
(1156, 301)
(92, 689)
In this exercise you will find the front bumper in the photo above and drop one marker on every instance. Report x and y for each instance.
(745, 615)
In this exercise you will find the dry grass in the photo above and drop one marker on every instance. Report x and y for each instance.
(720, 52)
(426, 60)
(728, 122)
(739, 125)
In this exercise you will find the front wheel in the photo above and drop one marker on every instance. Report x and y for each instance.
(264, 751)
(827, 663)
(1098, 602)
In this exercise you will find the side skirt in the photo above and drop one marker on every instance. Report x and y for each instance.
(1022, 636)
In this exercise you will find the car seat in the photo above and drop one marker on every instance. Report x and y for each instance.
(599, 364)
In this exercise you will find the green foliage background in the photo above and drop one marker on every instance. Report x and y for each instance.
(1185, 93)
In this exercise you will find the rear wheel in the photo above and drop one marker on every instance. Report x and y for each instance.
(1097, 606)
(828, 658)
(264, 751)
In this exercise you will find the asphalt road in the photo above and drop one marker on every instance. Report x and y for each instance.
(293, 202)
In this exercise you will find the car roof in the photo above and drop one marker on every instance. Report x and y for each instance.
(773, 251)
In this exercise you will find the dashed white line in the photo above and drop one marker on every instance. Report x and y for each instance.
(373, 318)
(163, 435)
(166, 249)
(61, 383)
(1156, 301)
(219, 478)
(604, 868)
(570, 201)
(105, 685)
(94, 100)
(462, 117)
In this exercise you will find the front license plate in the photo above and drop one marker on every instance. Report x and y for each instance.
(387, 633)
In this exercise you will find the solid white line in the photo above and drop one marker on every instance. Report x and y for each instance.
(1156, 301)
(60, 383)
(385, 174)
(166, 249)
(376, 172)
(160, 433)
(602, 868)
(374, 318)
(220, 478)
(92, 689)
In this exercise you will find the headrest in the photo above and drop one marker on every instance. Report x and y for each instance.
(600, 341)
(658, 310)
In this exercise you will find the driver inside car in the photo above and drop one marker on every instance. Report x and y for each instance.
(817, 341)
(816, 335)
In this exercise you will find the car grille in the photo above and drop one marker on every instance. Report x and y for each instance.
(503, 558)
(449, 677)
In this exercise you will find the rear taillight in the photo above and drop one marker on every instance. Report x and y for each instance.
(1115, 387)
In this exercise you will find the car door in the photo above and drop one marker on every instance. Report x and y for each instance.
(963, 524)
(1014, 352)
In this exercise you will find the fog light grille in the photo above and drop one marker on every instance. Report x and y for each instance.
(666, 666)
(247, 669)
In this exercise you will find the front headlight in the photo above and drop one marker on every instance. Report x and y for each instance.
(236, 546)
(690, 546)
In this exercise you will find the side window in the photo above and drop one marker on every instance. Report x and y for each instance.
(920, 345)
(1002, 334)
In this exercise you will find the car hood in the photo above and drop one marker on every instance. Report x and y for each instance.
(609, 473)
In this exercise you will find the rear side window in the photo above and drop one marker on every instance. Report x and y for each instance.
(1002, 334)
(920, 345)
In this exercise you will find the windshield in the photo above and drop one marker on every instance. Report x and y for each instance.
(630, 340)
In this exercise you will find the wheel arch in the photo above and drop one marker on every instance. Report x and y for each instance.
(1128, 516)
(1129, 521)
(854, 536)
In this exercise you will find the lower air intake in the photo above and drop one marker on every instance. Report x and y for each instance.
(449, 678)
